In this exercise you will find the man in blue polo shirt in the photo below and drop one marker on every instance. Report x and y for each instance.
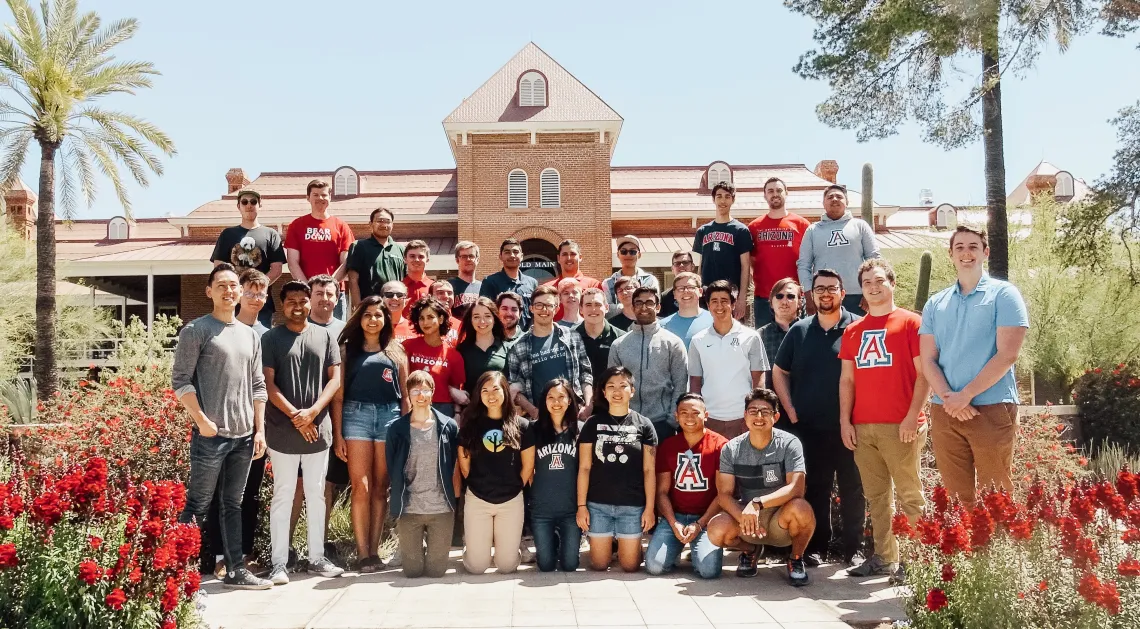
(970, 337)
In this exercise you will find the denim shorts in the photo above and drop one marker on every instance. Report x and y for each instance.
(364, 421)
(618, 521)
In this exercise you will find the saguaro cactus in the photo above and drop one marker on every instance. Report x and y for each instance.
(869, 194)
(923, 291)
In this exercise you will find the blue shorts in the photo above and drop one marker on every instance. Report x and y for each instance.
(364, 421)
(617, 521)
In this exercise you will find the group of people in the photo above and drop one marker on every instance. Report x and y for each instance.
(462, 406)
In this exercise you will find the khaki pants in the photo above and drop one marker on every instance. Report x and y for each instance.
(727, 428)
(977, 452)
(888, 466)
(487, 525)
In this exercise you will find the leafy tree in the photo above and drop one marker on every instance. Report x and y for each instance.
(55, 64)
(888, 61)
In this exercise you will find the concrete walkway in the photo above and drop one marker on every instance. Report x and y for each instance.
(582, 599)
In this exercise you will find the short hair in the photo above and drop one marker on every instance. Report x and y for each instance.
(505, 295)
(691, 395)
(427, 302)
(962, 229)
(569, 243)
(508, 242)
(687, 275)
(417, 244)
(782, 285)
(722, 286)
(774, 180)
(220, 268)
(621, 281)
(372, 216)
(324, 279)
(877, 263)
(465, 244)
(835, 186)
(421, 378)
(765, 395)
(394, 284)
(726, 186)
(827, 273)
(431, 289)
(253, 277)
(293, 286)
(595, 291)
(681, 254)
(568, 282)
(545, 289)
(316, 183)
(641, 290)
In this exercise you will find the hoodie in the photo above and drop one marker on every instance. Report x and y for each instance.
(659, 363)
(840, 245)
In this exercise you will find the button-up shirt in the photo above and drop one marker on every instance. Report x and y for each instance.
(520, 367)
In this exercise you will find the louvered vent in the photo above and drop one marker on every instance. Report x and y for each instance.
(551, 184)
(517, 189)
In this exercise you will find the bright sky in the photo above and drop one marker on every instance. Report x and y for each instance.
(291, 85)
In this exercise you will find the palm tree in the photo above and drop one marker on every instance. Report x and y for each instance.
(54, 66)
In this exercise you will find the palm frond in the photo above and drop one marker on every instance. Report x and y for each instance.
(114, 34)
(65, 182)
(15, 148)
(147, 130)
(60, 26)
(8, 112)
(85, 174)
(28, 33)
(74, 53)
(117, 78)
(93, 142)
(12, 58)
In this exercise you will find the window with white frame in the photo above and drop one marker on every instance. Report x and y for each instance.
(532, 90)
(517, 189)
(550, 187)
(346, 183)
(1065, 189)
(719, 172)
(117, 229)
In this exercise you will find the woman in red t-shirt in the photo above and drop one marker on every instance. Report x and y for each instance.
(431, 353)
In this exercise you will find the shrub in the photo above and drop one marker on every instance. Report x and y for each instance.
(1109, 405)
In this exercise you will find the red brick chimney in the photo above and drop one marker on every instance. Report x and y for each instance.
(1038, 184)
(827, 169)
(20, 202)
(235, 180)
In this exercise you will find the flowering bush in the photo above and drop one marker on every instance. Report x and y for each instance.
(1068, 555)
(76, 551)
(1109, 404)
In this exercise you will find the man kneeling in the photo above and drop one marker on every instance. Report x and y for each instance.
(760, 486)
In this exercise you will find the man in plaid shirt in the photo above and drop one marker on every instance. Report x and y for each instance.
(548, 351)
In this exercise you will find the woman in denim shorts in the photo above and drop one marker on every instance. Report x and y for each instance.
(617, 480)
(368, 400)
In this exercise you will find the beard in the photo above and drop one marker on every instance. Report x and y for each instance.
(833, 307)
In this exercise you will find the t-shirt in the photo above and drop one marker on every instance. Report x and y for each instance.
(761, 472)
(256, 248)
(883, 349)
(499, 282)
(443, 363)
(375, 263)
(416, 290)
(616, 477)
(694, 470)
(720, 246)
(810, 355)
(725, 365)
(775, 249)
(465, 292)
(548, 359)
(320, 243)
(404, 330)
(687, 327)
(372, 377)
(335, 326)
(496, 468)
(598, 349)
(621, 321)
(476, 362)
(554, 491)
(300, 363)
(423, 484)
(220, 363)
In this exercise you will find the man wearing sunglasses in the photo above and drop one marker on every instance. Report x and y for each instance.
(251, 245)
(395, 295)
(629, 252)
(839, 242)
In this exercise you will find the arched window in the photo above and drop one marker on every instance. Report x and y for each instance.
(517, 189)
(346, 183)
(1065, 189)
(532, 90)
(117, 229)
(550, 188)
(946, 216)
(719, 172)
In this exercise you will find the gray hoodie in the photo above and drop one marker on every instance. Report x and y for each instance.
(840, 245)
(660, 367)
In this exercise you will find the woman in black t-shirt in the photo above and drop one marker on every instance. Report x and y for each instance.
(492, 461)
(616, 474)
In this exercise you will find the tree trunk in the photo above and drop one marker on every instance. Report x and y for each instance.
(47, 379)
(998, 222)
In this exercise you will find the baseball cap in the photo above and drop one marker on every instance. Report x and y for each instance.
(630, 239)
(249, 193)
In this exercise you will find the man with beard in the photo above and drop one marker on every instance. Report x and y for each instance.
(838, 242)
(252, 245)
(776, 238)
(374, 260)
(511, 279)
(508, 308)
(806, 376)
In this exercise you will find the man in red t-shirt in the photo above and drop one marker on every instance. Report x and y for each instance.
(418, 283)
(881, 395)
(569, 259)
(317, 243)
(776, 240)
(687, 464)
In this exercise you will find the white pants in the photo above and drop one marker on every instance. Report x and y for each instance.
(284, 488)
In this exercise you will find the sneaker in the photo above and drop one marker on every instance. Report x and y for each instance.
(747, 565)
(526, 555)
(324, 568)
(797, 572)
(853, 559)
(220, 570)
(813, 560)
(242, 579)
(898, 574)
(869, 568)
(279, 575)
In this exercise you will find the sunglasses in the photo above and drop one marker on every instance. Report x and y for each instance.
(391, 295)
(782, 296)
(628, 252)
(248, 202)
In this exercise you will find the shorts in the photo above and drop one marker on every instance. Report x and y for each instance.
(779, 537)
(365, 421)
(620, 521)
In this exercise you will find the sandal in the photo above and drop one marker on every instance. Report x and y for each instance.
(368, 565)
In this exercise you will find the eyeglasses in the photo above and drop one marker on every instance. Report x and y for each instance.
(421, 392)
(782, 296)
(538, 305)
(766, 413)
(248, 201)
(687, 288)
(391, 295)
(628, 252)
(826, 290)
(468, 256)
(252, 295)
(641, 303)
(383, 221)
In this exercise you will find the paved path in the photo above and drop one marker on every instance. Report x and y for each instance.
(559, 600)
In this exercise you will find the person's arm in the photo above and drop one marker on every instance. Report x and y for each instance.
(259, 398)
(847, 404)
(585, 462)
(908, 429)
(695, 383)
(745, 279)
(402, 369)
(354, 286)
(464, 460)
(340, 270)
(782, 380)
(527, 465)
(336, 411)
(306, 416)
(259, 446)
(1009, 342)
(747, 515)
(586, 376)
(678, 369)
(870, 245)
(293, 257)
(695, 369)
(665, 506)
(276, 398)
(648, 472)
(275, 269)
(702, 523)
(758, 379)
(792, 489)
(805, 261)
(758, 360)
(186, 355)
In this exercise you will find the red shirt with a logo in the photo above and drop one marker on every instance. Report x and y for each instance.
(775, 249)
(444, 363)
(320, 243)
(693, 469)
(883, 349)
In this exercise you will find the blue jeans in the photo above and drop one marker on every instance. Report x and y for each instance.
(555, 539)
(222, 464)
(665, 548)
(365, 421)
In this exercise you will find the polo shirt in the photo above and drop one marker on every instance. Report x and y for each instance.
(725, 365)
(598, 349)
(376, 263)
(499, 282)
(416, 290)
(477, 361)
(965, 330)
(811, 355)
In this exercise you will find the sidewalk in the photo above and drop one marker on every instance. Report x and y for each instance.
(581, 599)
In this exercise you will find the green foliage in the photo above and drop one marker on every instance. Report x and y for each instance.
(922, 293)
(1110, 458)
(19, 399)
(1109, 403)
(908, 263)
(868, 194)
(147, 355)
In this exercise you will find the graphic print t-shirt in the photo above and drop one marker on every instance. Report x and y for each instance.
(720, 246)
(555, 489)
(693, 470)
(883, 349)
(320, 243)
(616, 444)
(444, 363)
(496, 468)
(255, 248)
(761, 472)
(548, 360)
(775, 247)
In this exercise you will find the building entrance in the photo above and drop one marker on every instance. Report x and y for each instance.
(539, 259)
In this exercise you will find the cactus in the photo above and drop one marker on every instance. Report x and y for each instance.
(922, 293)
(868, 193)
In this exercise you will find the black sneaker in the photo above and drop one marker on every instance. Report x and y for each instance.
(872, 567)
(797, 572)
(747, 565)
(812, 560)
(242, 579)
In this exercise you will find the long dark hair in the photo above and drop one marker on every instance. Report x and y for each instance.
(352, 336)
(467, 328)
(469, 436)
(544, 426)
(601, 404)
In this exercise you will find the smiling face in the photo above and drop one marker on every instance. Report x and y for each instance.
(759, 416)
(253, 297)
(381, 226)
(295, 307)
(492, 394)
(224, 292)
(835, 203)
(878, 290)
(372, 320)
(511, 257)
(775, 194)
(467, 260)
(618, 390)
(557, 401)
(786, 301)
(720, 305)
(429, 322)
(682, 264)
(395, 297)
(319, 199)
(416, 260)
(691, 415)
(445, 293)
(723, 200)
(568, 260)
(645, 307)
(420, 396)
(968, 253)
(827, 294)
(687, 291)
(482, 319)
(543, 307)
(510, 313)
(594, 308)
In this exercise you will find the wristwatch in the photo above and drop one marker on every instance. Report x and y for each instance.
(758, 501)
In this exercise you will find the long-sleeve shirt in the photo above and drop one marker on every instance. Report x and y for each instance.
(840, 245)
(221, 364)
(659, 363)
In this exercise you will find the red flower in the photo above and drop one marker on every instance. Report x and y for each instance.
(1129, 567)
(193, 582)
(1109, 598)
(954, 539)
(1021, 528)
(900, 525)
(981, 527)
(169, 623)
(116, 599)
(170, 595)
(948, 572)
(936, 600)
(1086, 554)
(941, 500)
(90, 572)
(8, 558)
(1127, 484)
(930, 532)
(94, 542)
(1044, 585)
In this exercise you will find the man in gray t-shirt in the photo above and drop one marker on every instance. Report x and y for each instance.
(760, 486)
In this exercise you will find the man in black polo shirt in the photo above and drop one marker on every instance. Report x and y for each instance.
(375, 260)
(806, 376)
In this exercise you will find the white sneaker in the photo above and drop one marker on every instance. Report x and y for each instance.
(278, 575)
(526, 555)
(324, 568)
